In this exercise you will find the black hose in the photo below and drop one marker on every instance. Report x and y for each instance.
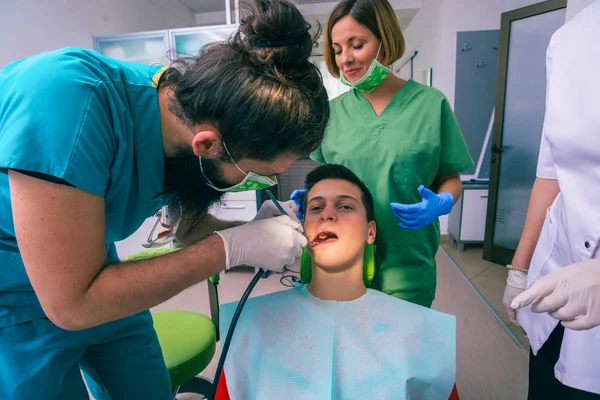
(234, 320)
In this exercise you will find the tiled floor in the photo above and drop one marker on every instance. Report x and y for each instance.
(487, 277)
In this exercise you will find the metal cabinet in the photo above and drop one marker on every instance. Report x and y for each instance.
(466, 222)
(155, 47)
(160, 47)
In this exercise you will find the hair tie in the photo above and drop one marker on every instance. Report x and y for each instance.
(278, 43)
(273, 43)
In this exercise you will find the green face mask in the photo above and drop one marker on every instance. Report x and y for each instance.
(373, 78)
(252, 180)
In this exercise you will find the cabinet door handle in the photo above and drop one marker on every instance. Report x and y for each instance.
(233, 207)
(484, 197)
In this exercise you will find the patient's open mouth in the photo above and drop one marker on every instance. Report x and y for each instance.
(324, 237)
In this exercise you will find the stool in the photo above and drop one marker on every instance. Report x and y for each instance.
(187, 339)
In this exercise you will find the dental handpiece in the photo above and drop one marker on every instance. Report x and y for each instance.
(280, 208)
(276, 202)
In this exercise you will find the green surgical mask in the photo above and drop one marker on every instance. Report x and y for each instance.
(252, 180)
(373, 78)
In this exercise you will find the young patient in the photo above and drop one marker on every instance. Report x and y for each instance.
(333, 338)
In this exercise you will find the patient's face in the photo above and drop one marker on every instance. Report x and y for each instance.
(336, 222)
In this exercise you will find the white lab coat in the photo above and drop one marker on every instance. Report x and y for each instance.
(570, 152)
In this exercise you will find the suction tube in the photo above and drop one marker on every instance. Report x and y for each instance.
(234, 320)
(237, 313)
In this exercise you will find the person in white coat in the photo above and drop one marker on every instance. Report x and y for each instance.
(562, 226)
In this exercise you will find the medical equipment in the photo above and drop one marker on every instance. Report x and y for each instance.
(283, 212)
(252, 180)
(374, 76)
(230, 330)
(164, 237)
(237, 313)
(276, 202)
(167, 236)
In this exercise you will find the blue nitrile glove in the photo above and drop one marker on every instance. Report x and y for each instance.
(420, 215)
(298, 197)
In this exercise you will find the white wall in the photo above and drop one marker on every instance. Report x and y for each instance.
(471, 15)
(425, 34)
(211, 18)
(28, 27)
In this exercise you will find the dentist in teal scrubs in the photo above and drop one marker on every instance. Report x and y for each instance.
(90, 147)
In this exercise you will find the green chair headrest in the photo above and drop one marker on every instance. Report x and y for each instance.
(368, 266)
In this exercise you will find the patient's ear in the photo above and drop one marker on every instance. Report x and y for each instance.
(371, 229)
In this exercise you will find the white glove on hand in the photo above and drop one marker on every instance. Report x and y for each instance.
(270, 210)
(570, 294)
(516, 283)
(269, 244)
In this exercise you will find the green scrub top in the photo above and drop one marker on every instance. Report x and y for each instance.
(414, 140)
(77, 117)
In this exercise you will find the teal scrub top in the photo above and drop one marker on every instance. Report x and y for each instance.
(414, 140)
(93, 122)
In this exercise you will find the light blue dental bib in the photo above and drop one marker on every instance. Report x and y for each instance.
(292, 345)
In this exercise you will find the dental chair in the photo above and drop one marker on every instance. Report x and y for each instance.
(187, 339)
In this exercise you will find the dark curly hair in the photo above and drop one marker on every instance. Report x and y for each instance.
(258, 89)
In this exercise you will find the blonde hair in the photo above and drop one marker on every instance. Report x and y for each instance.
(376, 15)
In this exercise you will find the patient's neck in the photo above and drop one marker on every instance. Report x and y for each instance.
(344, 284)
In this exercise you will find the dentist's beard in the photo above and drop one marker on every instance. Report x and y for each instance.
(186, 186)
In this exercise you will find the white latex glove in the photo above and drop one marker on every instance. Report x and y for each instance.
(570, 294)
(270, 210)
(269, 244)
(516, 283)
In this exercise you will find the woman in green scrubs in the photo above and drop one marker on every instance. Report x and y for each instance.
(400, 137)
